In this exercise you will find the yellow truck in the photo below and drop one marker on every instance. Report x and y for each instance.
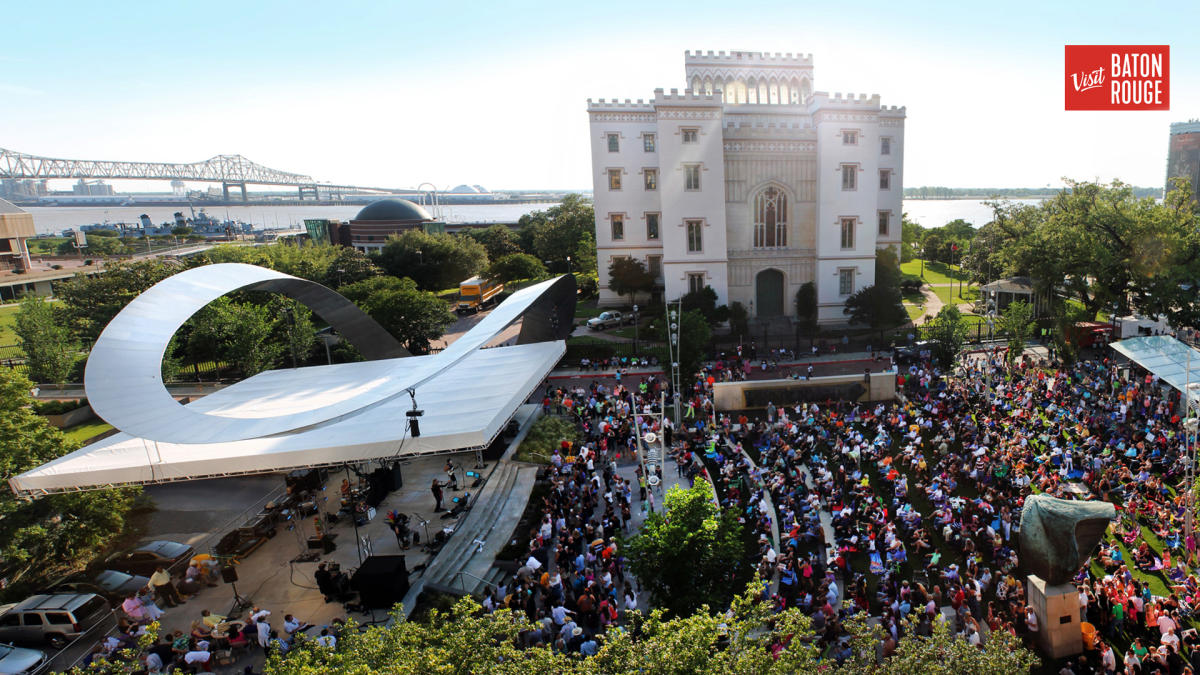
(476, 293)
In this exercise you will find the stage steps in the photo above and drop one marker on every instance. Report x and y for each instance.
(493, 514)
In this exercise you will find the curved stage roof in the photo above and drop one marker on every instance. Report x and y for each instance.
(293, 418)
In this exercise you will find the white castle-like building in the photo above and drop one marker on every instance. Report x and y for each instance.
(750, 182)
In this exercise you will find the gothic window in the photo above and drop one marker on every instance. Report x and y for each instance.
(770, 218)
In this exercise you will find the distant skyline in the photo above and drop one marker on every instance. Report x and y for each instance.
(494, 94)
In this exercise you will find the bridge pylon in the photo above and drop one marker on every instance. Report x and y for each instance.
(309, 190)
(225, 185)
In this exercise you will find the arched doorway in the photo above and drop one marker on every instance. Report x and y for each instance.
(768, 293)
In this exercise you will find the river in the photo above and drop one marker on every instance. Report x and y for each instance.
(938, 212)
(54, 219)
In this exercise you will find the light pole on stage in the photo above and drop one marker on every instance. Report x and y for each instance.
(673, 352)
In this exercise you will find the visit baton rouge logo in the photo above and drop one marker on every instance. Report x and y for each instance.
(1118, 77)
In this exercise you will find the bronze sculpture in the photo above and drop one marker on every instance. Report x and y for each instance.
(1058, 535)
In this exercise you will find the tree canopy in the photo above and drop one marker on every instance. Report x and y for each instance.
(628, 276)
(89, 303)
(566, 229)
(1017, 322)
(412, 316)
(688, 555)
(50, 349)
(43, 538)
(948, 332)
(516, 266)
(498, 240)
(1099, 244)
(879, 305)
(435, 261)
(704, 301)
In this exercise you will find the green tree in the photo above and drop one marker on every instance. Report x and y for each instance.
(239, 333)
(50, 349)
(566, 229)
(911, 235)
(704, 301)
(435, 261)
(879, 305)
(628, 276)
(806, 308)
(516, 266)
(97, 244)
(1017, 321)
(1001, 654)
(43, 538)
(412, 316)
(348, 266)
(181, 231)
(739, 320)
(90, 302)
(948, 332)
(688, 555)
(876, 307)
(498, 240)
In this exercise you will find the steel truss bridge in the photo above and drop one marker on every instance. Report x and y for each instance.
(229, 170)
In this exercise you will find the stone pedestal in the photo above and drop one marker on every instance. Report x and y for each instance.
(1057, 610)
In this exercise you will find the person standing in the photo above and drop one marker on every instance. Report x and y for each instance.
(161, 581)
(324, 579)
(436, 489)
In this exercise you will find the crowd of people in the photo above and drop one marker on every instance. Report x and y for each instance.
(923, 499)
(907, 511)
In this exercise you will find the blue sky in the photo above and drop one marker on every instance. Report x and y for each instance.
(494, 93)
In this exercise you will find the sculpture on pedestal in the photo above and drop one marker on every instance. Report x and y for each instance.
(1058, 535)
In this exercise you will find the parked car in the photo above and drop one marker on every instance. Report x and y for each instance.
(908, 354)
(114, 586)
(146, 558)
(16, 660)
(608, 320)
(54, 619)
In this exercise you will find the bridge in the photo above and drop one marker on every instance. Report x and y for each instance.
(231, 171)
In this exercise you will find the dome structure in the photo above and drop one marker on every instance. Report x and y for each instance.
(464, 189)
(393, 211)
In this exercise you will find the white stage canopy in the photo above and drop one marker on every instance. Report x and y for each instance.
(465, 408)
(282, 420)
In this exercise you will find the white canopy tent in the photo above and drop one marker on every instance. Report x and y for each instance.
(303, 417)
(465, 408)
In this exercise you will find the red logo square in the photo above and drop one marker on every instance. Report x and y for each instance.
(1118, 77)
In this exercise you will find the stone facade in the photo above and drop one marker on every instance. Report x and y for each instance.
(749, 182)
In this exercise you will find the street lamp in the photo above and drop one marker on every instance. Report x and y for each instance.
(569, 267)
(635, 325)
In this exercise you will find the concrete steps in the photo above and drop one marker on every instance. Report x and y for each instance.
(479, 535)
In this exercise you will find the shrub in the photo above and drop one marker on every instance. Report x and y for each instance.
(57, 407)
(545, 436)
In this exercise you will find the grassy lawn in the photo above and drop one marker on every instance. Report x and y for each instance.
(587, 309)
(87, 430)
(949, 295)
(935, 272)
(915, 311)
(8, 319)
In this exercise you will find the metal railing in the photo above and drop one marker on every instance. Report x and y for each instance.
(460, 574)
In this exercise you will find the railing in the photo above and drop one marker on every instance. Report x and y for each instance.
(459, 575)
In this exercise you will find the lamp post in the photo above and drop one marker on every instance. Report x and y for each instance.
(569, 267)
(635, 327)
